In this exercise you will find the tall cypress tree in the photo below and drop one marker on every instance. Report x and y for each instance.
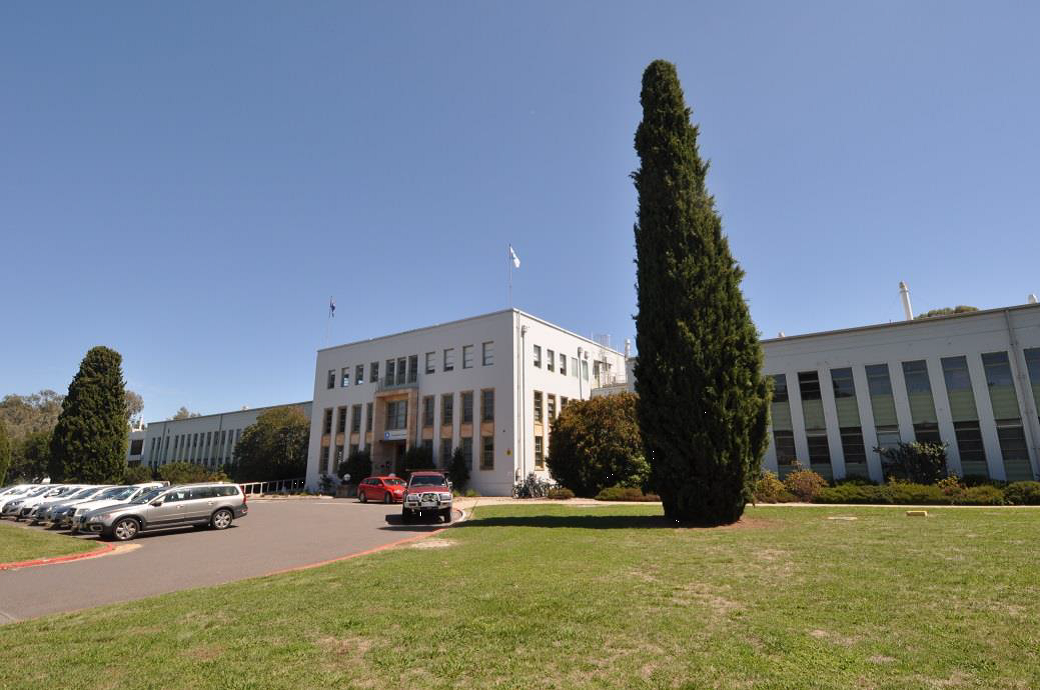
(89, 441)
(703, 402)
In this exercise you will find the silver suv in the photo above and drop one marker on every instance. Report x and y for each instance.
(212, 504)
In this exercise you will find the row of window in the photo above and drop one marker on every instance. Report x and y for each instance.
(550, 402)
(203, 448)
(397, 412)
(404, 370)
(550, 363)
(443, 459)
(960, 393)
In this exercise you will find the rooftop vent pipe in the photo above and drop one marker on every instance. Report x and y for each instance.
(628, 348)
(1032, 298)
(904, 292)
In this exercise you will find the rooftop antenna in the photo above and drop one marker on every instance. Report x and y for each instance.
(904, 293)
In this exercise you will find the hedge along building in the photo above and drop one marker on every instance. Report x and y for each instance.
(490, 385)
(970, 380)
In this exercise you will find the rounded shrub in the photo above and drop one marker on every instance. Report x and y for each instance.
(1022, 493)
(769, 488)
(804, 484)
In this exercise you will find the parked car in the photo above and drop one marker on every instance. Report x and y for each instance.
(20, 494)
(21, 506)
(212, 504)
(42, 511)
(428, 495)
(119, 495)
(383, 489)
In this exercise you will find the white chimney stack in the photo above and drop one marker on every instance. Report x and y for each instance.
(1032, 298)
(628, 348)
(904, 292)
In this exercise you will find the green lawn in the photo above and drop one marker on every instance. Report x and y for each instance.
(19, 544)
(566, 597)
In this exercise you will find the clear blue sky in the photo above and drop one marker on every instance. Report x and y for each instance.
(189, 182)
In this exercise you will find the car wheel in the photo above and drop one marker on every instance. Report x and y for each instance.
(222, 519)
(126, 529)
(362, 497)
(446, 514)
(387, 498)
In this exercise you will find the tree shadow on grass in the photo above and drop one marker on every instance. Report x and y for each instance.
(574, 521)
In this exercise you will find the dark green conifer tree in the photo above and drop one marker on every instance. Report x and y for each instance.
(90, 439)
(5, 451)
(703, 402)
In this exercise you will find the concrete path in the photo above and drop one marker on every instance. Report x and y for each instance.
(275, 536)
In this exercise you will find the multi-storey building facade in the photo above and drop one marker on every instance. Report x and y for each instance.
(971, 381)
(206, 440)
(490, 385)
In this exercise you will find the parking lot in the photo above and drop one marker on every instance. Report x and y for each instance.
(276, 535)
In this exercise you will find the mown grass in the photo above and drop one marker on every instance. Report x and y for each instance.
(19, 544)
(566, 597)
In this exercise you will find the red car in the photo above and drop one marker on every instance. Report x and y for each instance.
(385, 489)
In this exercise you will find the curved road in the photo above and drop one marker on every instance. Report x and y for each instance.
(276, 535)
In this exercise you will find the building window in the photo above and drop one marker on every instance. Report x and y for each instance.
(467, 450)
(467, 407)
(359, 374)
(852, 446)
(354, 449)
(965, 415)
(585, 369)
(337, 459)
(355, 419)
(391, 371)
(430, 365)
(487, 453)
(487, 353)
(1032, 356)
(785, 453)
(550, 360)
(397, 415)
(324, 466)
(331, 382)
(449, 359)
(883, 405)
(538, 356)
(815, 426)
(574, 367)
(427, 413)
(445, 453)
(344, 377)
(447, 409)
(537, 407)
(1007, 415)
(550, 401)
(563, 364)
(373, 372)
(341, 422)
(487, 405)
(467, 356)
(922, 404)
(780, 420)
(326, 427)
(563, 403)
(368, 417)
(539, 453)
(413, 368)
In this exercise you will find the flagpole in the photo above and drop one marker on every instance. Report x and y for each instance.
(509, 258)
(328, 323)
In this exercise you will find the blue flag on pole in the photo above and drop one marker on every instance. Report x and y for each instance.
(332, 308)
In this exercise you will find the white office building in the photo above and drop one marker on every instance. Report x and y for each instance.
(490, 385)
(969, 380)
(207, 440)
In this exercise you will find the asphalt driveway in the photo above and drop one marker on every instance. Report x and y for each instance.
(276, 535)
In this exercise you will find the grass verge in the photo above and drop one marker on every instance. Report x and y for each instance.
(18, 544)
(609, 596)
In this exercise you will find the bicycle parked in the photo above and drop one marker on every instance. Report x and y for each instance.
(531, 487)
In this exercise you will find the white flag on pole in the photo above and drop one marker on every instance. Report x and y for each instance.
(514, 257)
